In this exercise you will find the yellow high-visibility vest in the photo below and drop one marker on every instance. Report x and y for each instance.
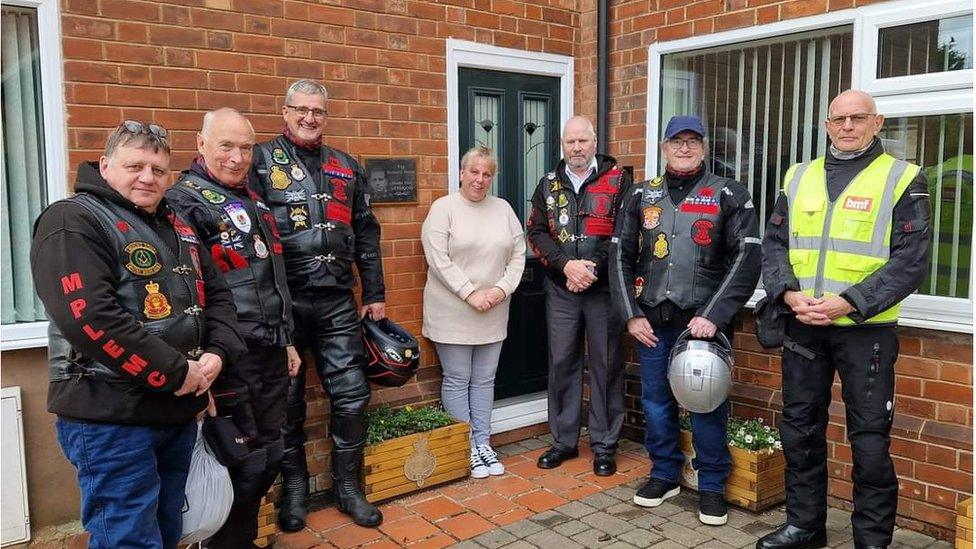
(835, 245)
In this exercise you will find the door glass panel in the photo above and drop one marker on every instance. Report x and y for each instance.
(535, 148)
(487, 109)
(943, 146)
(930, 46)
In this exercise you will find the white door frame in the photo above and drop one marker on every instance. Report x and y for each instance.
(517, 412)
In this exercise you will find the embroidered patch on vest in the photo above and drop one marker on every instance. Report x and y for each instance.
(279, 156)
(700, 232)
(299, 217)
(297, 173)
(339, 189)
(334, 168)
(563, 216)
(702, 203)
(652, 217)
(238, 216)
(279, 179)
(638, 286)
(562, 201)
(296, 195)
(598, 226)
(260, 248)
(213, 197)
(661, 249)
(156, 306)
(143, 259)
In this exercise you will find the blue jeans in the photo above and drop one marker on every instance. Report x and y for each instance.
(661, 438)
(132, 481)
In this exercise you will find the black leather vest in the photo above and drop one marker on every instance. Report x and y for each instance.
(243, 239)
(579, 223)
(313, 208)
(681, 245)
(163, 291)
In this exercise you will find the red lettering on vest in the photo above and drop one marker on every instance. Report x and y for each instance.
(77, 306)
(598, 226)
(135, 365)
(71, 283)
(339, 189)
(276, 248)
(335, 211)
(93, 334)
(269, 220)
(858, 203)
(113, 349)
(156, 379)
(201, 294)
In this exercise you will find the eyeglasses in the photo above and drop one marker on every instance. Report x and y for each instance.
(136, 127)
(857, 119)
(303, 112)
(694, 143)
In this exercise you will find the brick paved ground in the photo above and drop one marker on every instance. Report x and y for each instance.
(564, 508)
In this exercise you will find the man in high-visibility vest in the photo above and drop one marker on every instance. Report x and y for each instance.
(847, 241)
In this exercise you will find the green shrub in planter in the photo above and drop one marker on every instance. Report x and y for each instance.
(385, 423)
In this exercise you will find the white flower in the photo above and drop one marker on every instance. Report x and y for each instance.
(749, 439)
(731, 443)
(766, 428)
(760, 420)
(742, 432)
(778, 445)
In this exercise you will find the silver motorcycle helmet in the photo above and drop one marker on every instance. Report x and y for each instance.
(700, 373)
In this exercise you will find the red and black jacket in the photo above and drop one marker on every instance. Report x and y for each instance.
(565, 225)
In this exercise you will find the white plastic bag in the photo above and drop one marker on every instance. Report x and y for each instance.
(209, 494)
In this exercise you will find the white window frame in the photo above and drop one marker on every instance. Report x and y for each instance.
(916, 95)
(27, 335)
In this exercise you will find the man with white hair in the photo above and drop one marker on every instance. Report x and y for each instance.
(571, 222)
(240, 234)
(848, 240)
(318, 195)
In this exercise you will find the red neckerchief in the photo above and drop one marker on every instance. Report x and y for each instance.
(201, 166)
(299, 142)
(684, 174)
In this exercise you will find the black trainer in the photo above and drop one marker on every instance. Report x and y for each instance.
(712, 509)
(655, 492)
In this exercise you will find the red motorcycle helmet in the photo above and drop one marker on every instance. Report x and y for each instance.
(392, 354)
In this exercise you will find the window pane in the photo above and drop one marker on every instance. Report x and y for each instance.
(943, 146)
(922, 48)
(535, 112)
(763, 103)
(487, 113)
(22, 193)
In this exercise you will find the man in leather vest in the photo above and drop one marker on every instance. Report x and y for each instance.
(241, 235)
(318, 197)
(848, 240)
(685, 256)
(571, 222)
(141, 325)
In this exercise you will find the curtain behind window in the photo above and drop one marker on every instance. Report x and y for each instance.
(23, 195)
(763, 103)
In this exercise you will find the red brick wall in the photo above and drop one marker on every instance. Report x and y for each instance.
(382, 60)
(932, 436)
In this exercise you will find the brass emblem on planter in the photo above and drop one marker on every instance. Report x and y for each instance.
(420, 464)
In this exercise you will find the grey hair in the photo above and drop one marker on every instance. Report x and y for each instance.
(480, 152)
(588, 127)
(122, 137)
(208, 118)
(308, 87)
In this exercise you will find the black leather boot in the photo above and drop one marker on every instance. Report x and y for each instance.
(294, 488)
(346, 467)
(788, 536)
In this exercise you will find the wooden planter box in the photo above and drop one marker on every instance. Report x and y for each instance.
(756, 481)
(964, 525)
(409, 463)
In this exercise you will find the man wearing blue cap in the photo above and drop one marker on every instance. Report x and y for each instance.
(685, 255)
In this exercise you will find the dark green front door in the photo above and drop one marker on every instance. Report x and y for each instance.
(516, 115)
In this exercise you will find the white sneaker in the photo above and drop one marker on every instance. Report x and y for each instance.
(490, 458)
(478, 467)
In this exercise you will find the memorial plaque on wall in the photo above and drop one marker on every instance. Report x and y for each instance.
(391, 180)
